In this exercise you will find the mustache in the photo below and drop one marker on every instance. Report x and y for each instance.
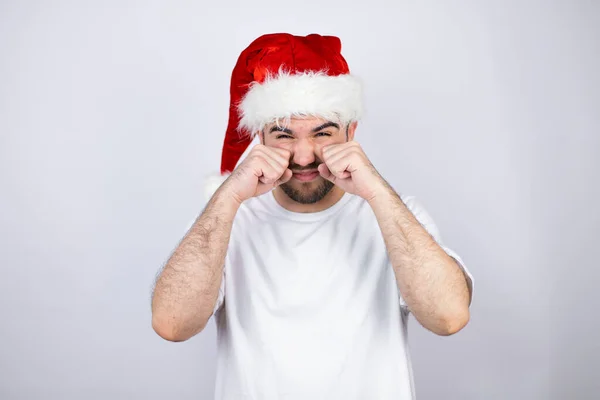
(312, 166)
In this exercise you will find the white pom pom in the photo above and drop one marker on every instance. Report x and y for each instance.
(212, 183)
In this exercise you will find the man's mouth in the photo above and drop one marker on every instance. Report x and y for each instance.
(306, 176)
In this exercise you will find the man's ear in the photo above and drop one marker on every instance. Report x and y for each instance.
(351, 129)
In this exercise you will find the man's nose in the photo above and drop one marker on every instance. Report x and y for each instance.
(304, 153)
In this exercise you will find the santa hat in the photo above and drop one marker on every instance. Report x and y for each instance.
(280, 76)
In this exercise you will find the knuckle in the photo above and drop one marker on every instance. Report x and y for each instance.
(281, 151)
(258, 149)
(271, 174)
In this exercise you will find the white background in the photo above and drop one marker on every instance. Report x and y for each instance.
(112, 113)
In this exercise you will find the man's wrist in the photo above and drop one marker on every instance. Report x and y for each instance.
(381, 193)
(224, 197)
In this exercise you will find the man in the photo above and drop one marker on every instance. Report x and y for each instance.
(308, 259)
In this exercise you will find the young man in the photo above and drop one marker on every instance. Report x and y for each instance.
(308, 259)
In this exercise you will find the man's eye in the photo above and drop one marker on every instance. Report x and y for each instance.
(283, 137)
(323, 134)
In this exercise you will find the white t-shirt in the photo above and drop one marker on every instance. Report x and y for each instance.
(309, 307)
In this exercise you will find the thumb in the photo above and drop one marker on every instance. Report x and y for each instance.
(326, 173)
(287, 175)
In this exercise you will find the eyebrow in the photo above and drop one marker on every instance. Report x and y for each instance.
(280, 129)
(328, 124)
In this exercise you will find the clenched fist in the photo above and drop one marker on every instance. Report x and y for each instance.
(263, 169)
(347, 166)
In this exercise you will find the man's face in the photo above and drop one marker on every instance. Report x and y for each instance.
(305, 139)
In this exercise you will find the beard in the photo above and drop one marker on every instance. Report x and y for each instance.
(305, 194)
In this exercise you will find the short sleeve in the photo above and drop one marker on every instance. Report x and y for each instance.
(221, 296)
(427, 222)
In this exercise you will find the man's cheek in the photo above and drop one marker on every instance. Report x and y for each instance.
(319, 153)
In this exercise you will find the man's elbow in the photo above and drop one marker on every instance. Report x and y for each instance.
(454, 323)
(170, 330)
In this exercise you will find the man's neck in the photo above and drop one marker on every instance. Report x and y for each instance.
(334, 195)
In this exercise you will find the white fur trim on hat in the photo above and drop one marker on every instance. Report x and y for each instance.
(337, 98)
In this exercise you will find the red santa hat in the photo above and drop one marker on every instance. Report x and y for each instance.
(280, 76)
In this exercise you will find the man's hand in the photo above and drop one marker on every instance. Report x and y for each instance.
(263, 169)
(347, 166)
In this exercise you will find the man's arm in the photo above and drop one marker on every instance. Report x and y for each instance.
(187, 289)
(432, 284)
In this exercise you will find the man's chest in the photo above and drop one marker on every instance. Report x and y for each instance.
(287, 265)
